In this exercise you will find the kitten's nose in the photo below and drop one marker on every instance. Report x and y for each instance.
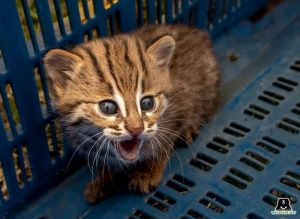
(135, 130)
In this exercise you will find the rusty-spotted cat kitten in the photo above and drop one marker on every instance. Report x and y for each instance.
(126, 99)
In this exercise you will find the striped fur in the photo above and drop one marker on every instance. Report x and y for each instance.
(175, 64)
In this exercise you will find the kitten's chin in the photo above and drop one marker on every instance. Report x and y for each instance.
(129, 150)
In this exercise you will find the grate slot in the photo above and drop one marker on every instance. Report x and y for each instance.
(142, 215)
(207, 158)
(218, 198)
(296, 111)
(274, 142)
(290, 183)
(234, 182)
(156, 204)
(256, 111)
(183, 180)
(233, 133)
(270, 200)
(216, 208)
(2, 62)
(293, 175)
(200, 165)
(217, 148)
(251, 164)
(259, 109)
(295, 66)
(282, 86)
(163, 197)
(292, 122)
(179, 188)
(239, 127)
(257, 157)
(241, 174)
(287, 128)
(253, 216)
(280, 194)
(3, 184)
(223, 142)
(274, 95)
(288, 81)
(268, 100)
(196, 214)
(253, 114)
(19, 166)
(267, 147)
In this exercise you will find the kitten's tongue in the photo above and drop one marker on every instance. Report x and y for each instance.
(128, 150)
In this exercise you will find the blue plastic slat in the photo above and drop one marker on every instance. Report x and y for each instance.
(218, 12)
(201, 16)
(86, 9)
(75, 22)
(58, 11)
(140, 15)
(101, 17)
(185, 11)
(127, 14)
(151, 12)
(30, 25)
(159, 11)
(169, 11)
(45, 21)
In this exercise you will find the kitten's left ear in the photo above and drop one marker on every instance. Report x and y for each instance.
(162, 50)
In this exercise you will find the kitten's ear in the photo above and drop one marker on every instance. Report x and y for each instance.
(61, 66)
(162, 50)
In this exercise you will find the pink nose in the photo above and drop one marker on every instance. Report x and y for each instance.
(135, 131)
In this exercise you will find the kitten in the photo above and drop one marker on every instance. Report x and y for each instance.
(128, 98)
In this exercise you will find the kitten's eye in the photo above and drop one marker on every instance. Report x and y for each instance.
(147, 103)
(108, 107)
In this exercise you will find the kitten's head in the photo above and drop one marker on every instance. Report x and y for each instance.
(111, 92)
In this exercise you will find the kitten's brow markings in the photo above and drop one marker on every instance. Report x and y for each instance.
(97, 67)
(117, 95)
(142, 57)
(110, 64)
(126, 56)
(143, 85)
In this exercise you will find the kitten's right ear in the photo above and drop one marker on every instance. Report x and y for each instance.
(61, 66)
(162, 50)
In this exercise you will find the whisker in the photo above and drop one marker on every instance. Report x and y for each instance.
(178, 136)
(108, 166)
(79, 147)
(162, 147)
(171, 147)
(96, 159)
(89, 165)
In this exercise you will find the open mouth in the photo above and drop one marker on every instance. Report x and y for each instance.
(128, 150)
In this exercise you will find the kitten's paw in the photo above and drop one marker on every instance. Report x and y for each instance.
(94, 192)
(190, 133)
(143, 182)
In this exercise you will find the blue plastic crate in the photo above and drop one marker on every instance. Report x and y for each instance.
(245, 157)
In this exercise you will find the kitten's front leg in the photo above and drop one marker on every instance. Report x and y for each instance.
(146, 178)
(99, 188)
